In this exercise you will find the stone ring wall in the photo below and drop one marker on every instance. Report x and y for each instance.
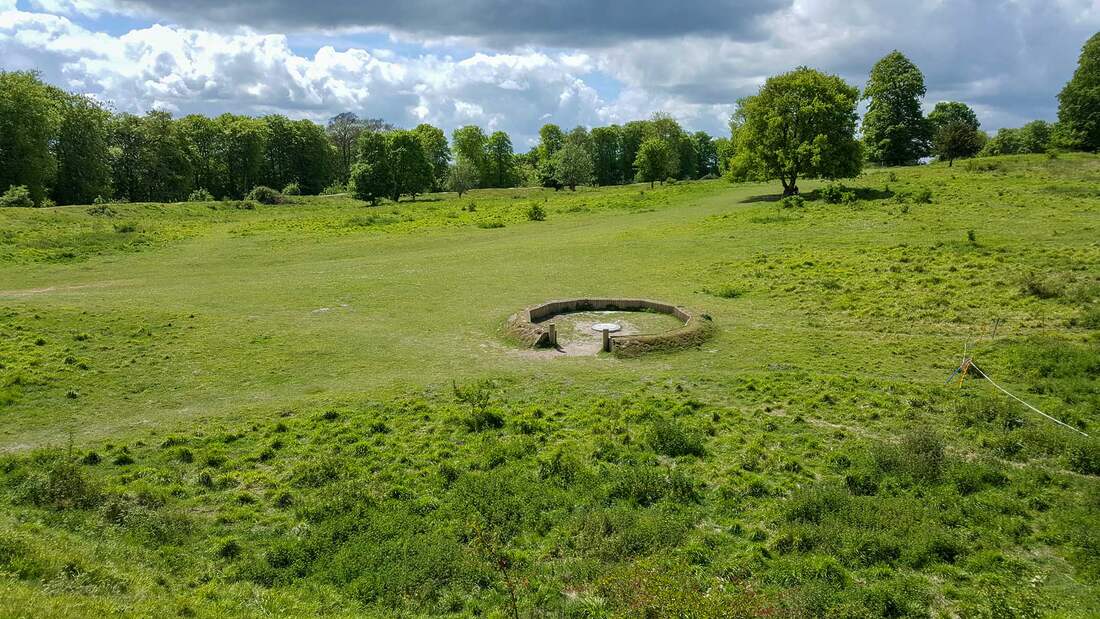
(696, 329)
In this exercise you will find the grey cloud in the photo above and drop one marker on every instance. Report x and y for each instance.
(564, 23)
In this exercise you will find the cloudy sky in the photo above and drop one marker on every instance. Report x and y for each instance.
(516, 64)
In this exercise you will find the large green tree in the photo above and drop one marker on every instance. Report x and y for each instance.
(706, 154)
(315, 159)
(204, 140)
(343, 130)
(408, 163)
(801, 124)
(955, 131)
(895, 131)
(435, 146)
(607, 150)
(551, 139)
(29, 118)
(241, 148)
(1079, 101)
(371, 176)
(468, 144)
(500, 160)
(572, 166)
(654, 161)
(81, 150)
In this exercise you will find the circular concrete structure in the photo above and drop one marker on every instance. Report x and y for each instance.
(534, 326)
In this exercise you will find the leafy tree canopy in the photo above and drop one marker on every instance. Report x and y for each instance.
(802, 124)
(895, 131)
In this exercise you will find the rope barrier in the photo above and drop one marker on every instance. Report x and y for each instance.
(1006, 392)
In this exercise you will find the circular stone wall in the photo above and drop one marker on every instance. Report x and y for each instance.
(532, 325)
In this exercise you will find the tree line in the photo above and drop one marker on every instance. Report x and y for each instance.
(803, 124)
(67, 148)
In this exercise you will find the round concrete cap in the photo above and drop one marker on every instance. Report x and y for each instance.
(606, 326)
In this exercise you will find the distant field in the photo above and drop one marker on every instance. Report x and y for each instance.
(274, 409)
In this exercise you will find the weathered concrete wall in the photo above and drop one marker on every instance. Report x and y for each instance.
(696, 329)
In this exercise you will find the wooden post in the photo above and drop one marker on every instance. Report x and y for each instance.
(607, 340)
(553, 332)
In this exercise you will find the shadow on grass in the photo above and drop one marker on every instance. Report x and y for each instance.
(862, 193)
(775, 197)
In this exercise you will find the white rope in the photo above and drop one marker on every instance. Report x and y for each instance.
(1006, 392)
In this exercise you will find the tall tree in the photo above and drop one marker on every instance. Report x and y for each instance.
(282, 143)
(204, 141)
(83, 163)
(654, 161)
(955, 131)
(1035, 136)
(314, 161)
(166, 167)
(607, 152)
(500, 160)
(241, 148)
(1079, 101)
(371, 176)
(551, 139)
(633, 134)
(128, 159)
(28, 121)
(706, 154)
(665, 128)
(947, 112)
(895, 131)
(572, 166)
(409, 165)
(435, 146)
(462, 177)
(344, 129)
(801, 124)
(468, 144)
(954, 140)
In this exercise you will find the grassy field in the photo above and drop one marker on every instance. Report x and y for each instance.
(226, 408)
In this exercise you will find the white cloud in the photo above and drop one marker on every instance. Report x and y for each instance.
(1008, 62)
(185, 70)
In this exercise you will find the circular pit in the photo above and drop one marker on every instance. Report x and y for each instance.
(623, 327)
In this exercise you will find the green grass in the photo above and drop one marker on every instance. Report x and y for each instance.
(312, 408)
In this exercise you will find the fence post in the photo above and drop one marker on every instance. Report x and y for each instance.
(553, 331)
(607, 340)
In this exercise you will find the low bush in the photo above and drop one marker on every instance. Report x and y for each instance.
(536, 213)
(265, 195)
(16, 196)
(671, 438)
(292, 189)
(200, 195)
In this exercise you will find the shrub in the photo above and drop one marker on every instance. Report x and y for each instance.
(792, 202)
(265, 195)
(670, 438)
(200, 195)
(17, 196)
(833, 193)
(1041, 288)
(483, 419)
(100, 210)
(643, 485)
(292, 189)
(335, 188)
(58, 484)
(922, 196)
(536, 213)
(1084, 456)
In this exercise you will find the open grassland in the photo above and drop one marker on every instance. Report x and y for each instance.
(227, 408)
